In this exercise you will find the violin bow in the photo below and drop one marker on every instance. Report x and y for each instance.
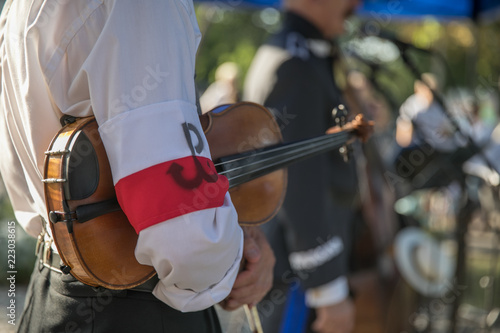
(253, 319)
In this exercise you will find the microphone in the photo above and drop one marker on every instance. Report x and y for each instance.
(373, 65)
(369, 29)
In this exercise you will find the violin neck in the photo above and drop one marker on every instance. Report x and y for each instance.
(244, 167)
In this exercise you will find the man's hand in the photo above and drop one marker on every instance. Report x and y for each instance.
(256, 275)
(337, 318)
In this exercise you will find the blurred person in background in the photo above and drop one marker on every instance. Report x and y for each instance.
(423, 120)
(292, 74)
(224, 90)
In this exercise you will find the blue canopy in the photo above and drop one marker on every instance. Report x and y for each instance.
(244, 3)
(440, 8)
(399, 8)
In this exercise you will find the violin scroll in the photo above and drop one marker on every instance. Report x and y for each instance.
(361, 127)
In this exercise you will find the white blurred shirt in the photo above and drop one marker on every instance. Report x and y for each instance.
(131, 64)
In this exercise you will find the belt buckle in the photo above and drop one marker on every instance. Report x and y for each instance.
(45, 256)
(47, 251)
(39, 242)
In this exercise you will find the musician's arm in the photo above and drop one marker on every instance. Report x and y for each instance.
(196, 257)
(404, 123)
(139, 77)
(404, 132)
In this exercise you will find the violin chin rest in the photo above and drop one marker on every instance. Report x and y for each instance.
(82, 169)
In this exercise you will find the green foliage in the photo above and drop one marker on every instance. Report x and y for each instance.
(24, 244)
(488, 64)
(6, 212)
(228, 35)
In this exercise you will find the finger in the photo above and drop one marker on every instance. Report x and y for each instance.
(253, 274)
(237, 302)
(232, 304)
(250, 290)
(251, 293)
(242, 290)
(251, 250)
(245, 279)
(248, 295)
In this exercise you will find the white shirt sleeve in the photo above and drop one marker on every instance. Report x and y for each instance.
(131, 64)
(328, 294)
(197, 261)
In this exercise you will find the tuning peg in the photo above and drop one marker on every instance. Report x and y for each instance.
(339, 115)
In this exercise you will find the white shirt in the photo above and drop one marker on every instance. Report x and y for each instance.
(131, 64)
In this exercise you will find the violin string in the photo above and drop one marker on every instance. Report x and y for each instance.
(292, 145)
(297, 154)
(280, 161)
(292, 149)
(233, 178)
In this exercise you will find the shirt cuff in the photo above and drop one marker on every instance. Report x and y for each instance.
(328, 294)
(189, 301)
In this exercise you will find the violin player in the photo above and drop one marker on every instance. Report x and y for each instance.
(131, 65)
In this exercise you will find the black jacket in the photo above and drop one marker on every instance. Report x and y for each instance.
(292, 75)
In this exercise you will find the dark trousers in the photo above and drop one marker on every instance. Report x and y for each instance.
(57, 303)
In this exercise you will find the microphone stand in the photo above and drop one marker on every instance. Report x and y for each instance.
(465, 212)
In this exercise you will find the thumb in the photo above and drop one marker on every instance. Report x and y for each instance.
(251, 251)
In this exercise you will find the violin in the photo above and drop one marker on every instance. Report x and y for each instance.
(95, 240)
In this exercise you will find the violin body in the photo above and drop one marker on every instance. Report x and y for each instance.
(240, 128)
(92, 234)
(100, 251)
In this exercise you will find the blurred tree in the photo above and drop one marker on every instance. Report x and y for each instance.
(24, 246)
(230, 34)
(6, 212)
